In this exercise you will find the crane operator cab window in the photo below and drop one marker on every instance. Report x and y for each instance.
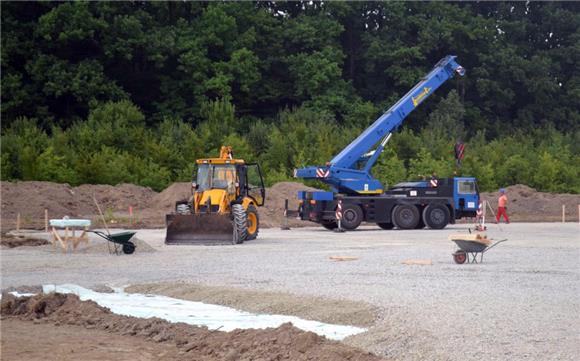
(216, 176)
(466, 187)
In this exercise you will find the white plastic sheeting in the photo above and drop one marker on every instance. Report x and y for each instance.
(197, 313)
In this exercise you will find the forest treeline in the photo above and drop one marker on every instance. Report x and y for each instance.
(112, 92)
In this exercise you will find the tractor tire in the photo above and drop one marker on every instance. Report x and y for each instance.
(406, 216)
(253, 222)
(352, 217)
(330, 225)
(436, 216)
(386, 225)
(240, 220)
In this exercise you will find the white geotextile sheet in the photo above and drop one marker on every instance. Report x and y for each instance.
(214, 317)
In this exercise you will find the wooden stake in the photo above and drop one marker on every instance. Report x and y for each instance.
(18, 222)
(131, 215)
(563, 213)
(46, 220)
(579, 213)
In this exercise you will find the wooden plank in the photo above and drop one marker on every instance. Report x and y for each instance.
(343, 258)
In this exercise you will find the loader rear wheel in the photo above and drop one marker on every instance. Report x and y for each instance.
(240, 220)
(406, 216)
(253, 222)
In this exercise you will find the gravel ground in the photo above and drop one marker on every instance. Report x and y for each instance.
(522, 303)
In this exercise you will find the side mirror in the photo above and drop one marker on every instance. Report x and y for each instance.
(194, 185)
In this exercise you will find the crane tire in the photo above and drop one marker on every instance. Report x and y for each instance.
(436, 216)
(240, 220)
(406, 216)
(352, 217)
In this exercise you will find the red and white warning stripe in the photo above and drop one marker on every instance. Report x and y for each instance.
(322, 173)
(339, 211)
(479, 211)
(434, 183)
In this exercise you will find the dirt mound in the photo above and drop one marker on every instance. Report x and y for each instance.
(12, 241)
(149, 208)
(166, 199)
(527, 204)
(284, 342)
(271, 215)
(30, 199)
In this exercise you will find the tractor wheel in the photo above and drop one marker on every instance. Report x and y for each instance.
(253, 222)
(386, 225)
(240, 220)
(436, 216)
(352, 216)
(406, 216)
(460, 257)
(330, 225)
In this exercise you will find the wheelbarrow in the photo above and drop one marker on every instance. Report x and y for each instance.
(119, 239)
(469, 250)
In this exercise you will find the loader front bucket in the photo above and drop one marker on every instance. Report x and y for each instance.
(204, 229)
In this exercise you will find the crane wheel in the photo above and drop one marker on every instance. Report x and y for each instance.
(406, 216)
(240, 220)
(352, 216)
(253, 222)
(436, 216)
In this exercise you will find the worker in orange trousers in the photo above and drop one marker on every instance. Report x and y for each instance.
(501, 207)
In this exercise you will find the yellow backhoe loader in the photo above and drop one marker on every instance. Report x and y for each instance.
(223, 208)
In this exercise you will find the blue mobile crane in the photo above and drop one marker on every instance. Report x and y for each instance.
(408, 205)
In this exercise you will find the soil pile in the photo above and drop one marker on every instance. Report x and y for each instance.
(272, 213)
(12, 241)
(30, 199)
(525, 204)
(196, 343)
(165, 201)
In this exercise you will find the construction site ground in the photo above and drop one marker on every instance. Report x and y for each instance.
(521, 303)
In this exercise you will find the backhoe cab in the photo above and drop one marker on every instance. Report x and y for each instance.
(223, 208)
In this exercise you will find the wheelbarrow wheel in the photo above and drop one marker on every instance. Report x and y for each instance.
(460, 257)
(128, 248)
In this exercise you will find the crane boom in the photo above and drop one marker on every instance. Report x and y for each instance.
(342, 172)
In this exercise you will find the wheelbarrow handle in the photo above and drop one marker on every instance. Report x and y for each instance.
(101, 234)
(493, 245)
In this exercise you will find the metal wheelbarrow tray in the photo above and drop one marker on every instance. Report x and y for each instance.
(469, 250)
(121, 238)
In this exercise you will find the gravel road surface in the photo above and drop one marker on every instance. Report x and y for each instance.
(521, 303)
